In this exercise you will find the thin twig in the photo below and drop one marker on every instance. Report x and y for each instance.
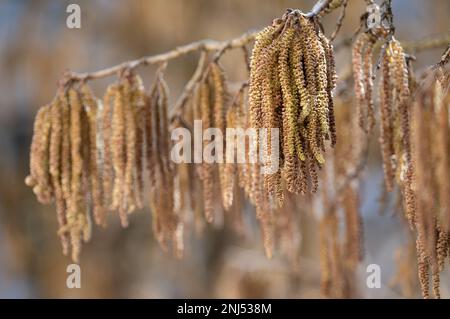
(340, 21)
(208, 45)
(318, 8)
(427, 43)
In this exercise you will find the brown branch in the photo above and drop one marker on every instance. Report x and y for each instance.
(322, 6)
(340, 21)
(427, 43)
(444, 58)
(318, 8)
(207, 45)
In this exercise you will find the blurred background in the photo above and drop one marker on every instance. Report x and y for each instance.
(36, 47)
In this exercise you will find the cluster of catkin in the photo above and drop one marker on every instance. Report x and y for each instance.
(122, 142)
(430, 129)
(210, 107)
(395, 141)
(291, 82)
(64, 164)
(89, 155)
(409, 159)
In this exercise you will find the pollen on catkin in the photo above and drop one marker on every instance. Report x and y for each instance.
(39, 178)
(362, 74)
(297, 99)
(207, 168)
(118, 154)
(91, 105)
(55, 163)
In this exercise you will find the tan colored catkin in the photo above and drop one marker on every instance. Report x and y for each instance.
(386, 122)
(55, 163)
(138, 98)
(130, 147)
(207, 169)
(361, 60)
(96, 182)
(220, 96)
(75, 216)
(107, 171)
(170, 219)
(319, 117)
(118, 154)
(39, 177)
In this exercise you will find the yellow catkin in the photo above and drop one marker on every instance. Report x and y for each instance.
(107, 171)
(118, 154)
(230, 169)
(300, 78)
(290, 112)
(368, 84)
(39, 177)
(321, 78)
(263, 39)
(386, 122)
(138, 98)
(272, 109)
(331, 84)
(424, 219)
(84, 217)
(207, 169)
(130, 147)
(150, 150)
(241, 121)
(56, 163)
(290, 101)
(169, 220)
(359, 74)
(220, 92)
(402, 99)
(91, 106)
(75, 216)
(157, 180)
(66, 154)
(319, 118)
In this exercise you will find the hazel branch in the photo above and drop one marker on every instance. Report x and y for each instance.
(220, 47)
(206, 45)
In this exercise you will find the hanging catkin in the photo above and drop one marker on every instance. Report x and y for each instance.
(118, 154)
(138, 100)
(207, 169)
(39, 177)
(55, 162)
(76, 217)
(91, 106)
(386, 123)
(106, 119)
(300, 91)
(219, 118)
(362, 73)
(169, 220)
(130, 147)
